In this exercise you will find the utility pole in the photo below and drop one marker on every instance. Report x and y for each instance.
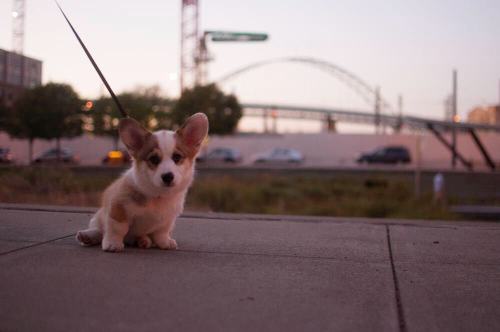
(18, 12)
(400, 114)
(454, 119)
(418, 165)
(377, 109)
(274, 117)
(400, 106)
(264, 117)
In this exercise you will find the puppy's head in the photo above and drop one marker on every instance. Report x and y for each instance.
(164, 159)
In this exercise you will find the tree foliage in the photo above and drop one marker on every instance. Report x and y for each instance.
(51, 111)
(223, 111)
(144, 105)
(3, 116)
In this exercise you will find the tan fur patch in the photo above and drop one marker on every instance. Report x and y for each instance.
(120, 194)
(150, 144)
(118, 212)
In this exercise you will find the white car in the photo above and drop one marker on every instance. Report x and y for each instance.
(279, 155)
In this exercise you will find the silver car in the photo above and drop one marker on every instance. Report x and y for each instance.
(279, 155)
(225, 155)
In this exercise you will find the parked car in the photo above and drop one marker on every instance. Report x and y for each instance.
(280, 155)
(116, 157)
(225, 155)
(51, 156)
(6, 156)
(386, 155)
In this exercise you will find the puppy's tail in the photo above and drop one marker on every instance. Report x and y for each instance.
(89, 237)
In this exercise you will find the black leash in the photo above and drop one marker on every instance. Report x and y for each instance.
(120, 108)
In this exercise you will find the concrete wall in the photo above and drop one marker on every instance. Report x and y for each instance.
(326, 149)
(320, 150)
(90, 149)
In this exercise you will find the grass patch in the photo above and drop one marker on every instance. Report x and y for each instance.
(298, 195)
(377, 198)
(51, 185)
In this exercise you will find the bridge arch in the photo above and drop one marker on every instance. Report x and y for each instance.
(354, 82)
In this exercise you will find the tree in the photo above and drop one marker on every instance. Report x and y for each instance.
(223, 111)
(51, 111)
(3, 116)
(143, 104)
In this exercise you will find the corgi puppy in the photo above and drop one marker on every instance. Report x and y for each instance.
(141, 206)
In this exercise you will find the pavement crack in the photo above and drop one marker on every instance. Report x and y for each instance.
(35, 245)
(399, 303)
(278, 255)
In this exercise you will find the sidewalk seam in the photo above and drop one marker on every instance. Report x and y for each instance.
(35, 245)
(270, 218)
(399, 303)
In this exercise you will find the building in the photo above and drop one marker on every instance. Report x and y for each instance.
(485, 115)
(17, 72)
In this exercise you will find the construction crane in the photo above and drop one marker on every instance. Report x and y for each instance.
(18, 14)
(194, 52)
(189, 44)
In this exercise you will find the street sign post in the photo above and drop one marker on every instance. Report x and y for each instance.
(220, 36)
(228, 36)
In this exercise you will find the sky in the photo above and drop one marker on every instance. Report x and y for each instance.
(405, 47)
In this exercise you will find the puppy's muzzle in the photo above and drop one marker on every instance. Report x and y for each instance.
(167, 178)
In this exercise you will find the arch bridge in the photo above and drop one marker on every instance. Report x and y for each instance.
(372, 97)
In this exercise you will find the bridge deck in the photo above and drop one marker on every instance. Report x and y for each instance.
(364, 117)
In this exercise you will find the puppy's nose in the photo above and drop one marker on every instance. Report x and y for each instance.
(167, 178)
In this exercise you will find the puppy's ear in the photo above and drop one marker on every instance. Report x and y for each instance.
(133, 135)
(193, 132)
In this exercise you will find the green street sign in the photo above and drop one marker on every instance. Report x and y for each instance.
(226, 36)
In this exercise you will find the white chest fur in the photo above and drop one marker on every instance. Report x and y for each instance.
(156, 215)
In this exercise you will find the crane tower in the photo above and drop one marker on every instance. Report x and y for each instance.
(190, 39)
(18, 11)
(194, 52)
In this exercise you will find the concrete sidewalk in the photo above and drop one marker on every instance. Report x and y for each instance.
(251, 273)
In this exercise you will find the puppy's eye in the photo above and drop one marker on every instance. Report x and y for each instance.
(154, 159)
(176, 158)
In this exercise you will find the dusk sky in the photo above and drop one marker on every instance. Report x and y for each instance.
(405, 47)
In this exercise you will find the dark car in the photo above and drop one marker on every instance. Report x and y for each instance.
(386, 155)
(51, 156)
(5, 156)
(226, 155)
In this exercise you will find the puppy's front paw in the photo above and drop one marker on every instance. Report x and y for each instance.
(83, 238)
(167, 244)
(89, 237)
(112, 246)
